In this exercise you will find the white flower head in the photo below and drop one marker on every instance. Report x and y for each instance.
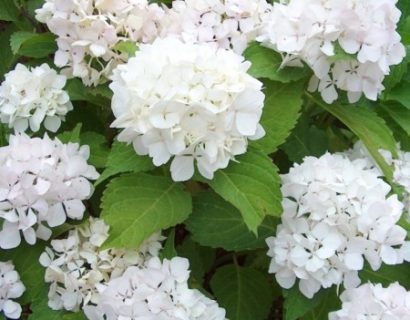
(10, 288)
(228, 24)
(76, 265)
(29, 98)
(362, 32)
(157, 290)
(88, 33)
(400, 165)
(187, 102)
(42, 182)
(372, 301)
(337, 215)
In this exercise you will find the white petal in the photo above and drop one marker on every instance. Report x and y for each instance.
(182, 168)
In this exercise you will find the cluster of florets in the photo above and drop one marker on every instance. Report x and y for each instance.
(10, 288)
(89, 33)
(29, 97)
(158, 290)
(337, 214)
(42, 181)
(349, 44)
(372, 301)
(187, 101)
(400, 165)
(77, 264)
(229, 24)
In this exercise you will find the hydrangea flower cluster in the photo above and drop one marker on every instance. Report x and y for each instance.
(349, 44)
(29, 97)
(10, 288)
(230, 24)
(372, 301)
(187, 101)
(337, 213)
(41, 181)
(401, 166)
(159, 290)
(76, 265)
(89, 31)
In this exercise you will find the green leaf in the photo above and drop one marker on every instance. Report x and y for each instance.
(128, 47)
(252, 186)
(200, 258)
(217, 224)
(26, 260)
(18, 38)
(329, 302)
(123, 158)
(7, 58)
(137, 205)
(99, 96)
(280, 113)
(169, 251)
(266, 63)
(297, 305)
(8, 10)
(41, 311)
(99, 149)
(71, 136)
(305, 140)
(244, 292)
(370, 128)
(400, 114)
(38, 45)
(400, 93)
(387, 275)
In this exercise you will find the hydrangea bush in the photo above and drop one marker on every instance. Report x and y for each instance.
(204, 159)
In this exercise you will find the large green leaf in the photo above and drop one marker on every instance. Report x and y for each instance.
(7, 58)
(370, 128)
(305, 140)
(8, 10)
(99, 96)
(26, 261)
(123, 158)
(200, 258)
(33, 45)
(280, 113)
(400, 93)
(266, 63)
(297, 305)
(251, 185)
(216, 223)
(400, 115)
(137, 205)
(387, 275)
(244, 292)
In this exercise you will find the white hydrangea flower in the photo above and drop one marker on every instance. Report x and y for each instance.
(10, 288)
(229, 24)
(42, 181)
(372, 301)
(158, 290)
(29, 97)
(89, 31)
(401, 167)
(186, 101)
(314, 31)
(337, 214)
(76, 265)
